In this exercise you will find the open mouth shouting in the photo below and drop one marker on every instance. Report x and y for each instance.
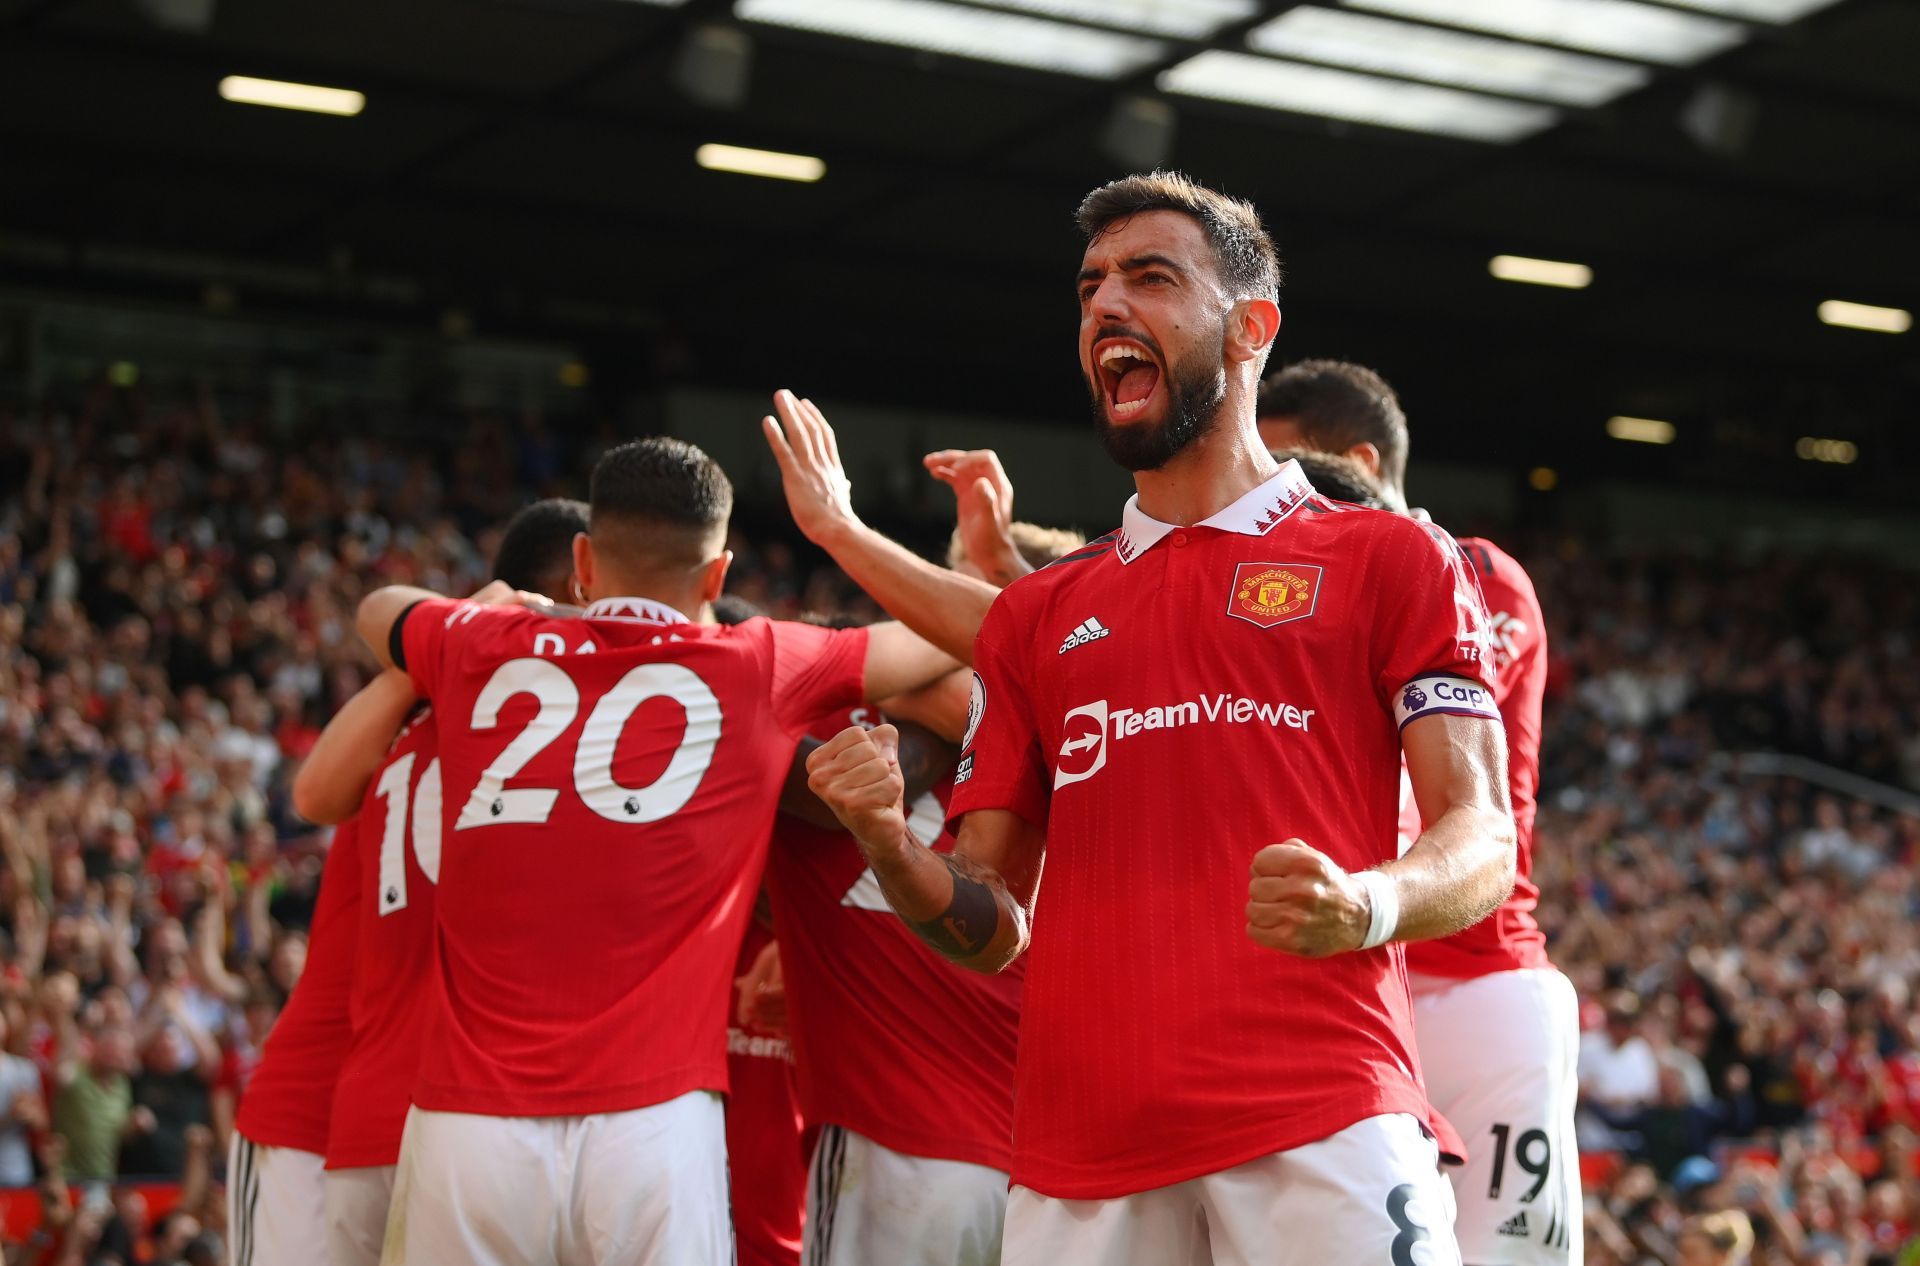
(1130, 373)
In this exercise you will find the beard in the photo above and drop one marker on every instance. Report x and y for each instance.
(1195, 391)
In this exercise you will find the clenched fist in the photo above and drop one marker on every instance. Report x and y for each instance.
(1301, 902)
(857, 775)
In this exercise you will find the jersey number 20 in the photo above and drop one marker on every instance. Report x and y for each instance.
(492, 804)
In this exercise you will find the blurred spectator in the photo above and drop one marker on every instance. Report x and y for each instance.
(1619, 1076)
(1716, 1239)
(93, 1109)
(22, 1111)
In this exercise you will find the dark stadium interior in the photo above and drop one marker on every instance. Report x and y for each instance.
(544, 187)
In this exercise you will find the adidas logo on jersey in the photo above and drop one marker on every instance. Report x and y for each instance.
(1090, 630)
(1516, 1225)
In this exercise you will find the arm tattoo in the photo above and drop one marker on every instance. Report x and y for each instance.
(965, 928)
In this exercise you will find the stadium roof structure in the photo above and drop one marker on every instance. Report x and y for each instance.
(1712, 176)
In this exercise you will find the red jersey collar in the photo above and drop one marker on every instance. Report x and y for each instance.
(1254, 514)
(634, 610)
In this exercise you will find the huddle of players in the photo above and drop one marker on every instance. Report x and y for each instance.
(1182, 1084)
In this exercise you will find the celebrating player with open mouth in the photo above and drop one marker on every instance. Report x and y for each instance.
(1210, 1070)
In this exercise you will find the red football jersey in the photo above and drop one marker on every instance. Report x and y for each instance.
(766, 1138)
(287, 1101)
(399, 863)
(608, 786)
(1508, 939)
(878, 1019)
(1164, 704)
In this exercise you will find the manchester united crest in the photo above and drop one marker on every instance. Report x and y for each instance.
(1267, 594)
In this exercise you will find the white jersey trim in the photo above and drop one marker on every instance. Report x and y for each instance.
(634, 610)
(1254, 514)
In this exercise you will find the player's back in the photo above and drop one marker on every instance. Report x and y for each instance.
(399, 865)
(288, 1101)
(1509, 938)
(608, 786)
(876, 1017)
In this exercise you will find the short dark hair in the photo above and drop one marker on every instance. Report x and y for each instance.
(661, 483)
(538, 543)
(1244, 253)
(1337, 476)
(731, 608)
(1337, 405)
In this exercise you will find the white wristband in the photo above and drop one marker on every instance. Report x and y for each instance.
(1383, 907)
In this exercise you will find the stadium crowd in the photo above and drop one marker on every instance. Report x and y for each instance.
(176, 624)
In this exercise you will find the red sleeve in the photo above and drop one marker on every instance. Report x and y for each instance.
(1517, 631)
(1518, 647)
(815, 671)
(336, 914)
(435, 633)
(1430, 628)
(1001, 761)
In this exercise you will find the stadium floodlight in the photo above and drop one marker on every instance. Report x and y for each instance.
(1340, 94)
(1541, 272)
(1812, 448)
(1358, 41)
(292, 96)
(1619, 28)
(1779, 11)
(770, 163)
(1641, 430)
(1011, 38)
(1182, 19)
(1865, 316)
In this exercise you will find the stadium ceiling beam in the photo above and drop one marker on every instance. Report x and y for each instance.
(1097, 97)
(120, 52)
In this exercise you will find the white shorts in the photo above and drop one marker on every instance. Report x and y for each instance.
(1499, 1054)
(1373, 1194)
(867, 1204)
(641, 1188)
(276, 1205)
(357, 1202)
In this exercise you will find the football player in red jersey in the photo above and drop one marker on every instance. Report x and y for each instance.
(608, 785)
(391, 783)
(276, 1197)
(1513, 1099)
(1212, 1068)
(766, 1135)
(899, 1175)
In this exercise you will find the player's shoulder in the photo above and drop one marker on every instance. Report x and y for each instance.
(1488, 558)
(1331, 515)
(473, 621)
(417, 733)
(1027, 599)
(1367, 527)
(1068, 569)
(1496, 568)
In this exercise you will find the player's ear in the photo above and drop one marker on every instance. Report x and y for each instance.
(1367, 453)
(583, 563)
(713, 576)
(1252, 325)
